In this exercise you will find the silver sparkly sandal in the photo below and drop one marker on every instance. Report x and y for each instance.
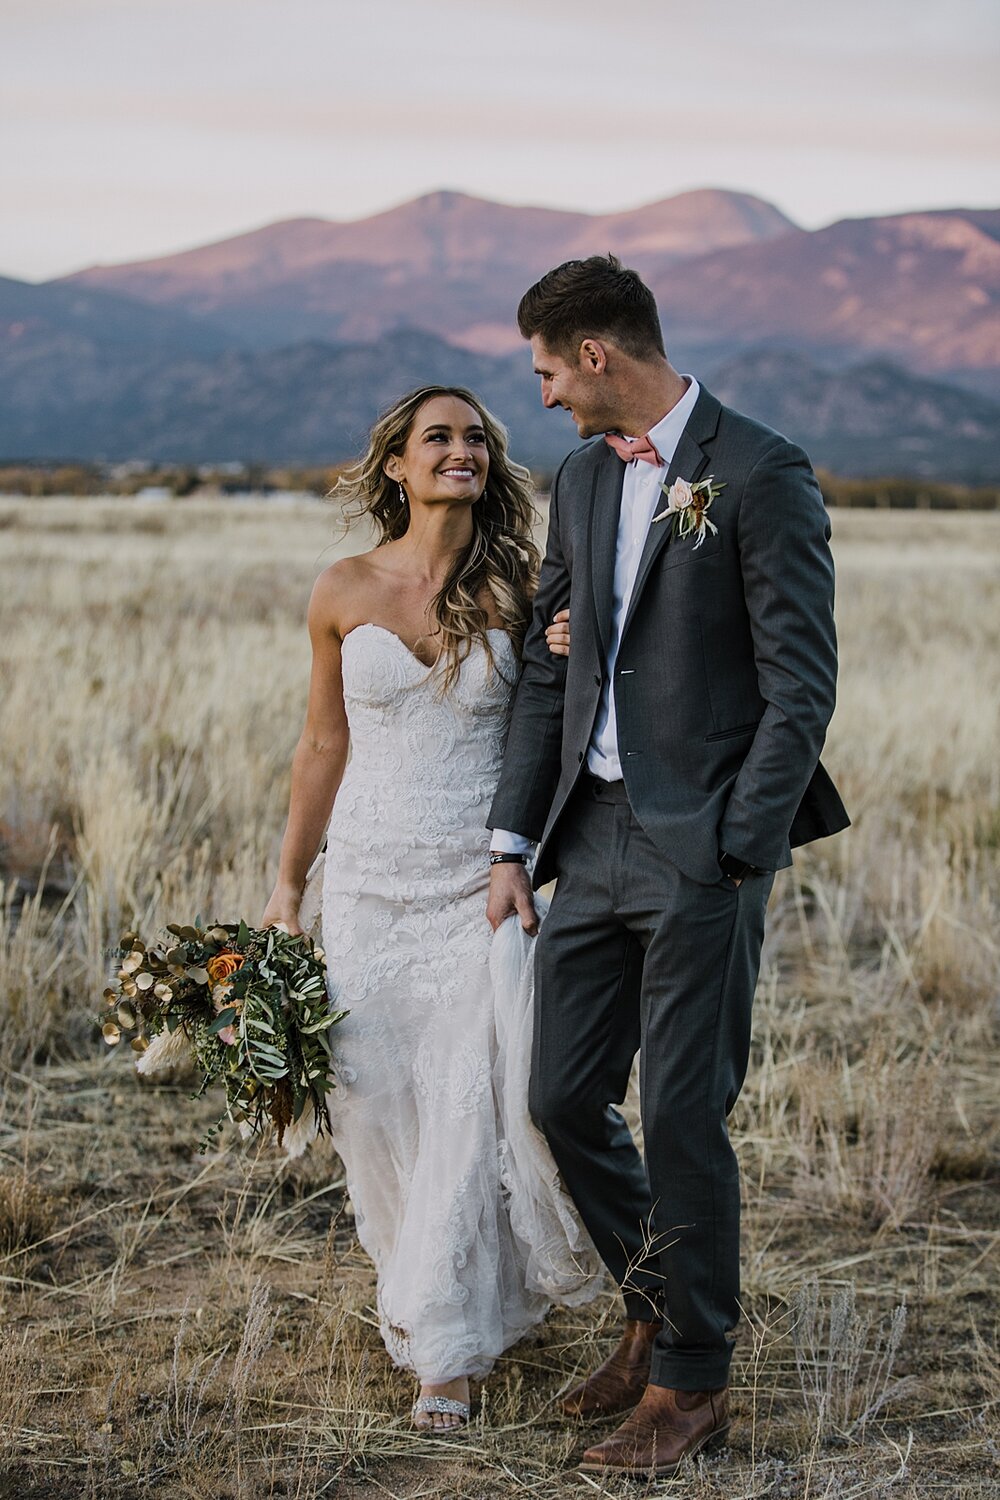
(442, 1404)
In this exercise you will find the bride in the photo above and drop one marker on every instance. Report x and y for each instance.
(416, 649)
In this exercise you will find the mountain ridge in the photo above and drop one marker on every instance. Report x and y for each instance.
(693, 210)
(914, 287)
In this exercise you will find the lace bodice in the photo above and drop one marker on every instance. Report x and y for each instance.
(424, 764)
(401, 730)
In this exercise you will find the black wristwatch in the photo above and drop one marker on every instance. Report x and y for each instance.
(736, 869)
(501, 857)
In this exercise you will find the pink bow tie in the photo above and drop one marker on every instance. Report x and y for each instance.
(639, 448)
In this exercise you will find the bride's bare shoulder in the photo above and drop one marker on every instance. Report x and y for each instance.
(338, 591)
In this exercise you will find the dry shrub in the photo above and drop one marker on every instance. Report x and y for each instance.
(28, 1214)
(846, 1380)
(352, 1411)
(19, 1370)
(35, 960)
(205, 1416)
(869, 1132)
(956, 956)
(188, 1398)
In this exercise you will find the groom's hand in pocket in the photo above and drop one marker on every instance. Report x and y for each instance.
(510, 891)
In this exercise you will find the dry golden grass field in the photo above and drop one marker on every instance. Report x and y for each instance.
(201, 1327)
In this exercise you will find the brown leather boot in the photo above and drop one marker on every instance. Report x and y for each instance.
(620, 1381)
(666, 1427)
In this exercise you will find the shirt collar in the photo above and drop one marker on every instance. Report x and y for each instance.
(667, 433)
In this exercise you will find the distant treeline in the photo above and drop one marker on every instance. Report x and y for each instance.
(181, 481)
(906, 494)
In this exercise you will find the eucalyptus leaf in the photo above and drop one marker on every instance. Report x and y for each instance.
(224, 1018)
(264, 1052)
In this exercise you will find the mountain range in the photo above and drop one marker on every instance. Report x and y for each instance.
(873, 342)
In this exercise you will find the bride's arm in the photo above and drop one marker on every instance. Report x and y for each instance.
(319, 759)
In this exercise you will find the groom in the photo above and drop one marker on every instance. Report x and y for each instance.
(665, 770)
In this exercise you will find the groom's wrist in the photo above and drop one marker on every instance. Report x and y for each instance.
(734, 867)
(506, 841)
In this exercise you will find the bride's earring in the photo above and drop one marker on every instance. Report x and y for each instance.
(402, 496)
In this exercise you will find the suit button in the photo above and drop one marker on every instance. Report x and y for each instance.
(597, 678)
(579, 755)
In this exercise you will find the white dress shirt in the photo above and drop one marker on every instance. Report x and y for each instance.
(642, 498)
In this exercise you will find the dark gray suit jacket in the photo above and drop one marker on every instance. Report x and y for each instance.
(726, 675)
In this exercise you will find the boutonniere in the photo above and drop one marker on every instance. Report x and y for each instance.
(688, 504)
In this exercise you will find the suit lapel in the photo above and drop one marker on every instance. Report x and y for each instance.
(689, 462)
(605, 511)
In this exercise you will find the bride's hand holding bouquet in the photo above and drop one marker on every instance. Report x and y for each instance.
(282, 909)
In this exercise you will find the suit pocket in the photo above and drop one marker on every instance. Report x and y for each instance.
(730, 734)
(683, 550)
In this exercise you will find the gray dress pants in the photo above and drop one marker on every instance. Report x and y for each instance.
(634, 955)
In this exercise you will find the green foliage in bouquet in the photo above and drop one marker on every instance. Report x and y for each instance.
(248, 1005)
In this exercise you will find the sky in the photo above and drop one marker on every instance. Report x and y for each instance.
(132, 128)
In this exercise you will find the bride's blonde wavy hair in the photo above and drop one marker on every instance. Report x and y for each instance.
(501, 556)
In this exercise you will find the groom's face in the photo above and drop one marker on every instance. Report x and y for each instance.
(575, 384)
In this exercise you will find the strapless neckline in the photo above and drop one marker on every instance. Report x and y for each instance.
(428, 667)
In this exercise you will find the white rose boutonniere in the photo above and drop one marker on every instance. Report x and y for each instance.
(688, 504)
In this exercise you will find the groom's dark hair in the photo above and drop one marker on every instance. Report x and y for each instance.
(592, 299)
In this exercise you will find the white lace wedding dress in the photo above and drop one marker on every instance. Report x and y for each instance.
(456, 1196)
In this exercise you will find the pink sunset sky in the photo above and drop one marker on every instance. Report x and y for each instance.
(130, 128)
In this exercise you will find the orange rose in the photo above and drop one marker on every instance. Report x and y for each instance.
(223, 964)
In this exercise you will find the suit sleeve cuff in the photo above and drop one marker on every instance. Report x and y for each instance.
(505, 842)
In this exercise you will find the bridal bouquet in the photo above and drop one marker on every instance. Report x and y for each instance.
(248, 1006)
